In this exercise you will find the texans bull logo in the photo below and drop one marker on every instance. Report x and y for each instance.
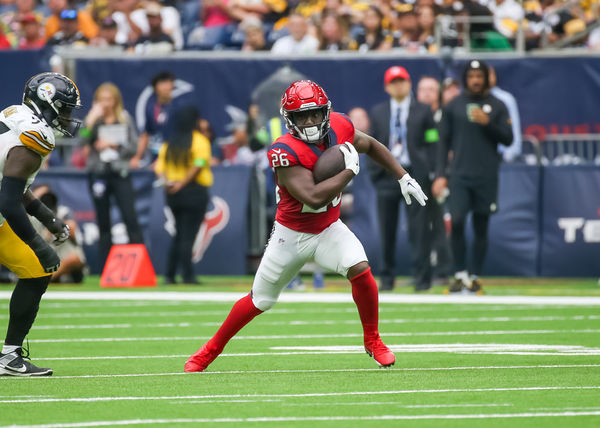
(215, 221)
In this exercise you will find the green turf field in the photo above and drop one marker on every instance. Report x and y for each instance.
(466, 364)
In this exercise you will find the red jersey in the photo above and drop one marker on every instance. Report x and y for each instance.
(288, 150)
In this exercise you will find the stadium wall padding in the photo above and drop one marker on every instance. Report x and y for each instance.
(548, 221)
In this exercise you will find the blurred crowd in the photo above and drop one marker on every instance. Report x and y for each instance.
(290, 27)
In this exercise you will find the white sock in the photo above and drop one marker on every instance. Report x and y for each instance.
(7, 349)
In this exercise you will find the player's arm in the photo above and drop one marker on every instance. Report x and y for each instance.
(46, 216)
(20, 163)
(300, 183)
(379, 153)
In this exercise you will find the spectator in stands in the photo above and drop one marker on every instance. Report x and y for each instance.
(4, 43)
(31, 36)
(107, 35)
(155, 40)
(371, 35)
(298, 42)
(11, 20)
(111, 137)
(333, 33)
(216, 26)
(360, 119)
(406, 29)
(473, 124)
(86, 24)
(507, 15)
(254, 39)
(184, 165)
(70, 252)
(513, 151)
(156, 119)
(68, 34)
(170, 22)
(407, 128)
(127, 29)
(426, 20)
(483, 36)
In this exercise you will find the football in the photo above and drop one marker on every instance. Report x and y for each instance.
(330, 163)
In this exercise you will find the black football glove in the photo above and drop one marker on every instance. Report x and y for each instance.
(59, 229)
(45, 254)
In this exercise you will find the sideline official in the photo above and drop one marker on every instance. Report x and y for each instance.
(472, 126)
(407, 127)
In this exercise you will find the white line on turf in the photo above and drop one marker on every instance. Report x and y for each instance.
(314, 336)
(306, 419)
(317, 322)
(299, 371)
(315, 297)
(298, 395)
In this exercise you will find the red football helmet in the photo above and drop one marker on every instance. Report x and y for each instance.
(302, 96)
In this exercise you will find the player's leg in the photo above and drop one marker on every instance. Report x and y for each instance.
(340, 250)
(24, 303)
(280, 263)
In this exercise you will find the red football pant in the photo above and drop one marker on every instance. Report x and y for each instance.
(241, 314)
(366, 297)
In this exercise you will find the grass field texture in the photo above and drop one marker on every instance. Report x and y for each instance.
(120, 361)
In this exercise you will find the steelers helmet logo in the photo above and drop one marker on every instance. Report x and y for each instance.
(46, 91)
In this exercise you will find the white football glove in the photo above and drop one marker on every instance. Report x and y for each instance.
(410, 187)
(350, 157)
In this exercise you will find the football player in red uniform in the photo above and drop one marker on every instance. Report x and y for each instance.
(307, 224)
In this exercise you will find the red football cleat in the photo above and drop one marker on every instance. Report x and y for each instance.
(381, 353)
(200, 360)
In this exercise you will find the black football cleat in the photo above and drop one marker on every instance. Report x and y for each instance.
(14, 364)
(475, 287)
(456, 286)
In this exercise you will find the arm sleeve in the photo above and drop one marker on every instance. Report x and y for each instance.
(444, 143)
(11, 207)
(280, 154)
(500, 128)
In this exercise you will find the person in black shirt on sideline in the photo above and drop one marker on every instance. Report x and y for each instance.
(472, 125)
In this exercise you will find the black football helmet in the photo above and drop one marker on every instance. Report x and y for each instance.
(53, 97)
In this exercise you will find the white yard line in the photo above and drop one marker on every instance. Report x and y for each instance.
(307, 419)
(297, 395)
(316, 336)
(315, 297)
(299, 371)
(316, 322)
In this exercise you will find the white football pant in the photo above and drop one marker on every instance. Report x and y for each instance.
(335, 249)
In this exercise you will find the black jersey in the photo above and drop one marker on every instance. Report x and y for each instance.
(474, 146)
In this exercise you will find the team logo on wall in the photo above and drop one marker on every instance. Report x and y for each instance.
(215, 221)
